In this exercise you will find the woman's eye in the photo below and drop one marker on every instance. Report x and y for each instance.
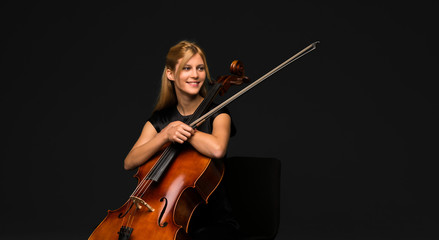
(200, 69)
(187, 68)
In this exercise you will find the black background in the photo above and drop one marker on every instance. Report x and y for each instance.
(354, 122)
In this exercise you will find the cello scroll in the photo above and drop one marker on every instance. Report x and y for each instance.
(237, 77)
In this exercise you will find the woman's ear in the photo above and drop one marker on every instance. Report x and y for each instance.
(170, 74)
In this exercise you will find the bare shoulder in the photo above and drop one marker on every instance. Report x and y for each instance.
(222, 123)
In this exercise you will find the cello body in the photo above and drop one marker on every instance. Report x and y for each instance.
(188, 182)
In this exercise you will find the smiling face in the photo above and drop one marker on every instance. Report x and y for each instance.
(191, 76)
(191, 57)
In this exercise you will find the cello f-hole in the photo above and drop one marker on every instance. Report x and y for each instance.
(123, 215)
(163, 212)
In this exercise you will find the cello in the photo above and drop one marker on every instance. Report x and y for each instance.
(177, 179)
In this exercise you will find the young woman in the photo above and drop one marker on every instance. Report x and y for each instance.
(183, 89)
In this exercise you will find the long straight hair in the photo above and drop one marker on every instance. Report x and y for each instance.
(183, 50)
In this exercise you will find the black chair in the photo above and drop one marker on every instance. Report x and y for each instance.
(253, 185)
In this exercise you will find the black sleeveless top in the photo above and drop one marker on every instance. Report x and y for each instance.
(215, 220)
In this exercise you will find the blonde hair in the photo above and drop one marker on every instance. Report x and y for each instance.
(183, 50)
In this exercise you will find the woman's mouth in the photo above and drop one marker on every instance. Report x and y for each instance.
(193, 84)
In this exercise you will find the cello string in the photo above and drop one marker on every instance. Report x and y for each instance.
(298, 55)
(160, 166)
(126, 209)
(145, 184)
(151, 171)
(130, 219)
(141, 187)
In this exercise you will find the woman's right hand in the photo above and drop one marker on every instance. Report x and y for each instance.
(178, 132)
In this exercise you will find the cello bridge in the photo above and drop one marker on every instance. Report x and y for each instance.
(139, 202)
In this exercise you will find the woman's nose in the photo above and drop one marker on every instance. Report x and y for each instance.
(194, 73)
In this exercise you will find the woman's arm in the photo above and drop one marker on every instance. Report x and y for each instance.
(213, 145)
(150, 142)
